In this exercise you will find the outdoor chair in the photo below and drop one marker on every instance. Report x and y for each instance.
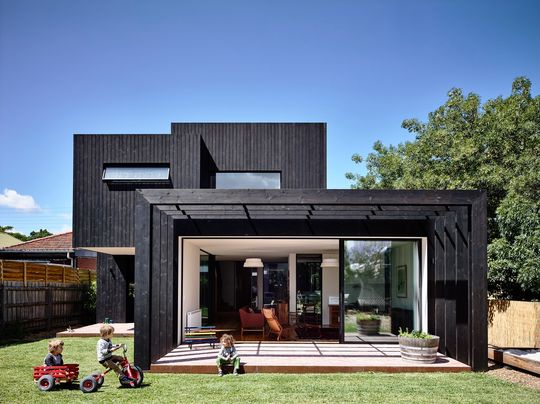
(274, 326)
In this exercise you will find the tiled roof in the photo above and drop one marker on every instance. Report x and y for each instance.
(56, 242)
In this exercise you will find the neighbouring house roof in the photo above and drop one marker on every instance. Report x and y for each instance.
(7, 240)
(56, 242)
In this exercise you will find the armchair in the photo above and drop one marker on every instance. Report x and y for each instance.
(250, 321)
(274, 326)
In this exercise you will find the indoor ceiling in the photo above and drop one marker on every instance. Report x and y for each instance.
(240, 249)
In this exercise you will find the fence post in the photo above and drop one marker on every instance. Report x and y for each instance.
(64, 275)
(2, 271)
(46, 275)
(24, 274)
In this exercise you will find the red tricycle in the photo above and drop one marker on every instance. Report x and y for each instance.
(46, 377)
(134, 373)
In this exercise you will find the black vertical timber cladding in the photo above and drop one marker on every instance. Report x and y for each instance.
(297, 150)
(453, 266)
(164, 277)
(143, 279)
(478, 278)
(171, 286)
(163, 283)
(155, 273)
(103, 215)
(462, 284)
(111, 276)
(450, 258)
(431, 278)
(450, 348)
(439, 320)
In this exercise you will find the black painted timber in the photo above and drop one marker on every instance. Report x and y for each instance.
(103, 213)
(453, 222)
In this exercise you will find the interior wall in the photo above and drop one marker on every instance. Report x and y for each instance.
(227, 286)
(189, 269)
(330, 286)
(292, 283)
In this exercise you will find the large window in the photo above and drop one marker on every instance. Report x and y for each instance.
(381, 292)
(251, 180)
(276, 283)
(309, 289)
(204, 289)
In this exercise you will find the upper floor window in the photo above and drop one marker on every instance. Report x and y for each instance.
(132, 173)
(251, 180)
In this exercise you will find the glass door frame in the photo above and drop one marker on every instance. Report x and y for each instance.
(422, 283)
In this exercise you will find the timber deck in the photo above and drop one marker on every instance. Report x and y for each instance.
(120, 330)
(302, 357)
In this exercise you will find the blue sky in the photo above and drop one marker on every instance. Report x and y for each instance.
(136, 66)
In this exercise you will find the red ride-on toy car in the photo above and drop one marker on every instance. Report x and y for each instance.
(93, 382)
(46, 377)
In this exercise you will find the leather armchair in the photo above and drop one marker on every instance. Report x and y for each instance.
(250, 321)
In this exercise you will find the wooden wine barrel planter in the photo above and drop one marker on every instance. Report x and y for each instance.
(368, 327)
(419, 349)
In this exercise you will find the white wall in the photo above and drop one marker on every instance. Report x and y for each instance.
(292, 283)
(330, 286)
(189, 271)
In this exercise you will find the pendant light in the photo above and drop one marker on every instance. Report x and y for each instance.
(328, 262)
(253, 263)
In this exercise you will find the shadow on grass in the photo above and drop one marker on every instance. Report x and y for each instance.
(25, 337)
(142, 386)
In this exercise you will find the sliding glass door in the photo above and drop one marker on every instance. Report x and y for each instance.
(380, 289)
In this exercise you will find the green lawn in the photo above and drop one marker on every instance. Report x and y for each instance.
(16, 384)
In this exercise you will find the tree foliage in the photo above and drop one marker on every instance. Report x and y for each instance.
(8, 230)
(33, 234)
(493, 146)
(39, 234)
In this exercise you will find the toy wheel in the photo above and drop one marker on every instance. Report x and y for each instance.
(45, 383)
(99, 378)
(136, 373)
(88, 384)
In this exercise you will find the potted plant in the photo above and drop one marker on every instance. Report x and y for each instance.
(368, 324)
(418, 346)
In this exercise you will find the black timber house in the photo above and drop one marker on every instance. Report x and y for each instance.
(173, 217)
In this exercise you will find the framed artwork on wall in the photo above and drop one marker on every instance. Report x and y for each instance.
(401, 281)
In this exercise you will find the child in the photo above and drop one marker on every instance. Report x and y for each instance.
(54, 357)
(227, 354)
(105, 348)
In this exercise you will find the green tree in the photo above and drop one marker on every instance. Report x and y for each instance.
(39, 234)
(467, 145)
(8, 230)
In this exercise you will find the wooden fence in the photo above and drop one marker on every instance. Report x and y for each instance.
(27, 271)
(35, 297)
(514, 324)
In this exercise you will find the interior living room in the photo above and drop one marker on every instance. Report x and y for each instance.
(284, 289)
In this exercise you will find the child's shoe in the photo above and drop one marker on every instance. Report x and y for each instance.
(220, 372)
(125, 379)
(235, 373)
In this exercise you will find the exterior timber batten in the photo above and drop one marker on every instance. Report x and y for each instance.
(456, 303)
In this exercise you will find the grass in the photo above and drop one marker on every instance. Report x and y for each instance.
(16, 384)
